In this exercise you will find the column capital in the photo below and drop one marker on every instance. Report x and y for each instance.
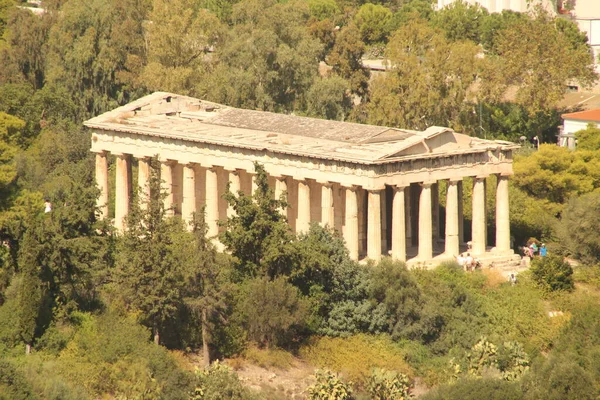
(505, 174)
(100, 152)
(480, 177)
(397, 188)
(427, 183)
(120, 155)
(349, 186)
(326, 183)
(454, 181)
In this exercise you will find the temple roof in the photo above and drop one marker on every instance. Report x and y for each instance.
(174, 116)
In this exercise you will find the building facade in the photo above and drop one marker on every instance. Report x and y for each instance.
(378, 186)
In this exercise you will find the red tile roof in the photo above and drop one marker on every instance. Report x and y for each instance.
(590, 115)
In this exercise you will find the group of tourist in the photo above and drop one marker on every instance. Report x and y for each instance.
(533, 250)
(468, 262)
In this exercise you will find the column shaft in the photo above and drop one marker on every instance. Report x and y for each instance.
(234, 187)
(281, 188)
(502, 215)
(351, 222)
(212, 202)
(143, 182)
(425, 222)
(122, 191)
(461, 215)
(408, 215)
(327, 210)
(188, 204)
(374, 225)
(166, 177)
(102, 183)
(398, 225)
(435, 211)
(303, 221)
(452, 243)
(478, 223)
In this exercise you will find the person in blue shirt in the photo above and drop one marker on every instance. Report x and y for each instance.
(543, 250)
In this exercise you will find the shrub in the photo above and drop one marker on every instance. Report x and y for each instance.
(13, 384)
(356, 356)
(552, 273)
(217, 383)
(267, 358)
(329, 386)
(274, 311)
(476, 389)
(388, 385)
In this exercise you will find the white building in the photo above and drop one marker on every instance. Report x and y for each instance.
(574, 122)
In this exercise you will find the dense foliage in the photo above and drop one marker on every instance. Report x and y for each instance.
(85, 302)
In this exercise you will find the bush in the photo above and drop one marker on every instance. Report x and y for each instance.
(219, 382)
(13, 384)
(476, 389)
(329, 386)
(551, 273)
(356, 356)
(274, 311)
(388, 385)
(267, 358)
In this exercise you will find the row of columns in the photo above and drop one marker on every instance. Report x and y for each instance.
(401, 213)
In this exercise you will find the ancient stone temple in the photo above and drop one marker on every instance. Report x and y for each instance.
(376, 185)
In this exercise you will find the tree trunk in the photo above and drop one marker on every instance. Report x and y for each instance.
(156, 336)
(205, 339)
(27, 348)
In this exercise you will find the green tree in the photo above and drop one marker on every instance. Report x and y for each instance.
(589, 138)
(373, 22)
(258, 235)
(92, 50)
(329, 98)
(428, 81)
(149, 271)
(460, 21)
(538, 58)
(552, 273)
(346, 59)
(206, 294)
(577, 232)
(179, 39)
(274, 311)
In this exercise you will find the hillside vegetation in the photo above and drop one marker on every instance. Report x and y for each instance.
(86, 313)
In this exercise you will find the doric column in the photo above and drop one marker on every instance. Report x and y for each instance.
(452, 243)
(166, 177)
(122, 191)
(212, 202)
(235, 186)
(303, 221)
(327, 210)
(384, 228)
(374, 225)
(351, 222)
(461, 215)
(408, 215)
(102, 183)
(502, 214)
(435, 211)
(254, 184)
(280, 188)
(143, 182)
(188, 203)
(478, 223)
(425, 235)
(398, 224)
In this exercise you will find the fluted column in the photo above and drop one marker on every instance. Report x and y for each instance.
(188, 203)
(478, 222)
(374, 225)
(102, 183)
(502, 215)
(435, 211)
(408, 215)
(122, 199)
(235, 186)
(212, 202)
(254, 184)
(461, 215)
(280, 188)
(398, 224)
(327, 210)
(143, 182)
(166, 177)
(303, 221)
(351, 222)
(425, 222)
(452, 243)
